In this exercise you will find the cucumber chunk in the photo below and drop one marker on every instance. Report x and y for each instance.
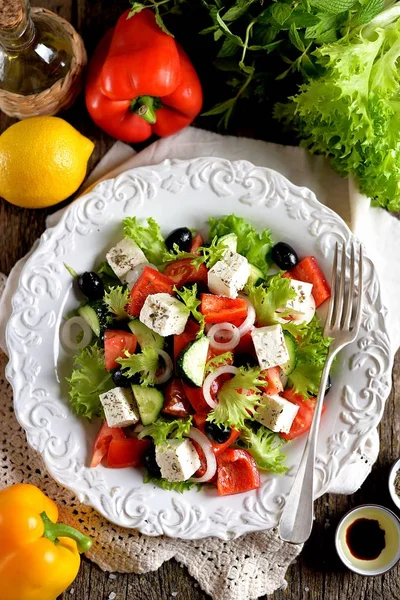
(291, 346)
(229, 240)
(256, 275)
(150, 402)
(145, 336)
(192, 360)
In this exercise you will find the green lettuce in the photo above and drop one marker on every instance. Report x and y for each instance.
(267, 298)
(116, 298)
(162, 430)
(207, 255)
(148, 237)
(312, 350)
(88, 380)
(236, 398)
(352, 112)
(176, 486)
(220, 360)
(192, 303)
(252, 244)
(265, 447)
(145, 363)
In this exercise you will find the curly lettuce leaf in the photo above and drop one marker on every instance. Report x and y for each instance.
(207, 255)
(116, 298)
(144, 363)
(269, 297)
(265, 447)
(352, 112)
(88, 380)
(162, 430)
(252, 244)
(312, 350)
(219, 361)
(192, 303)
(176, 486)
(236, 398)
(148, 237)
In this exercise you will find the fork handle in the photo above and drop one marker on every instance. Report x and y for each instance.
(297, 517)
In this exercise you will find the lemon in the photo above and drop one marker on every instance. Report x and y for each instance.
(43, 160)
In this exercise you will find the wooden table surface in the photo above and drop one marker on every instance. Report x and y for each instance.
(318, 574)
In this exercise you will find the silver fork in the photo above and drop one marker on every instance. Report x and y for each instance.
(342, 324)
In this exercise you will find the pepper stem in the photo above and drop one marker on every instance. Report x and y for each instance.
(53, 531)
(145, 107)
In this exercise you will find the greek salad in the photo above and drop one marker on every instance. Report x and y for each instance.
(200, 358)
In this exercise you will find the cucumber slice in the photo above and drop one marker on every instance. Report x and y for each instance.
(291, 346)
(256, 276)
(145, 336)
(229, 240)
(150, 402)
(192, 360)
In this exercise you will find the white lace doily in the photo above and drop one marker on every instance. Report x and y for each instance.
(247, 567)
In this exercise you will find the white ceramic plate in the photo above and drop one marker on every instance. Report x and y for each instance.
(178, 193)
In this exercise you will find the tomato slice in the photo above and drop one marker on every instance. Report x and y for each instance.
(197, 241)
(176, 403)
(200, 421)
(115, 344)
(237, 472)
(126, 452)
(103, 441)
(303, 419)
(308, 270)
(182, 271)
(220, 309)
(150, 282)
(272, 377)
(196, 398)
(246, 345)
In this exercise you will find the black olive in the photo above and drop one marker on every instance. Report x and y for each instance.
(91, 285)
(201, 287)
(244, 360)
(120, 379)
(182, 237)
(119, 326)
(149, 460)
(216, 433)
(284, 256)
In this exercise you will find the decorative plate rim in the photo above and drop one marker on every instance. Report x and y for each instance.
(40, 414)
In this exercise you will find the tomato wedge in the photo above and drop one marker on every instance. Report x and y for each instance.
(103, 441)
(303, 419)
(182, 271)
(126, 452)
(272, 377)
(237, 472)
(176, 403)
(115, 344)
(150, 282)
(308, 270)
(220, 309)
(197, 242)
(183, 339)
(196, 398)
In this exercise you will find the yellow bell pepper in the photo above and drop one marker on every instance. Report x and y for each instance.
(39, 558)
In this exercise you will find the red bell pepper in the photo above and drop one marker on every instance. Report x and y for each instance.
(220, 309)
(140, 81)
(308, 270)
(237, 472)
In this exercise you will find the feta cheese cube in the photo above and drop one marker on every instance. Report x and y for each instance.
(125, 256)
(303, 292)
(177, 459)
(277, 413)
(269, 343)
(120, 407)
(164, 314)
(228, 276)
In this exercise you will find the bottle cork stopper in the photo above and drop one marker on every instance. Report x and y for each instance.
(11, 13)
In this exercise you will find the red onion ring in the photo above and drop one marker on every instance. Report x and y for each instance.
(204, 443)
(168, 368)
(66, 334)
(249, 321)
(210, 379)
(133, 275)
(218, 329)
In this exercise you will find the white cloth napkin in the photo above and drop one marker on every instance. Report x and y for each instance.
(378, 230)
